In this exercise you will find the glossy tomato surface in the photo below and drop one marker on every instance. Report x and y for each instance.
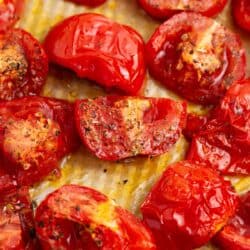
(116, 127)
(35, 133)
(162, 9)
(99, 49)
(241, 13)
(236, 235)
(24, 65)
(75, 217)
(224, 142)
(196, 57)
(187, 206)
(90, 3)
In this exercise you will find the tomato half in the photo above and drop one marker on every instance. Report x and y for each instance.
(75, 217)
(23, 65)
(188, 206)
(196, 57)
(236, 235)
(241, 13)
(35, 133)
(224, 142)
(116, 127)
(9, 13)
(162, 9)
(90, 3)
(99, 49)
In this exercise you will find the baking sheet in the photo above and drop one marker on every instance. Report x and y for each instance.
(127, 182)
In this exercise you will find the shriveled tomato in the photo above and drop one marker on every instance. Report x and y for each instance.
(23, 65)
(75, 217)
(236, 235)
(162, 9)
(91, 3)
(188, 205)
(35, 133)
(99, 49)
(241, 13)
(196, 57)
(7, 182)
(224, 142)
(116, 127)
(9, 13)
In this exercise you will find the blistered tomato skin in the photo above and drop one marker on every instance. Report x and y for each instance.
(224, 142)
(235, 235)
(90, 3)
(24, 65)
(75, 217)
(116, 127)
(188, 206)
(241, 13)
(35, 133)
(99, 49)
(196, 57)
(162, 9)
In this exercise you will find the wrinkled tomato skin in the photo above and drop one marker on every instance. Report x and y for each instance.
(224, 142)
(24, 65)
(99, 49)
(195, 57)
(115, 127)
(10, 11)
(241, 13)
(235, 235)
(188, 206)
(161, 9)
(35, 133)
(90, 3)
(76, 217)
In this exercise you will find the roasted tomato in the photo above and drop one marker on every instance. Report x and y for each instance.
(236, 235)
(162, 9)
(23, 65)
(224, 142)
(35, 133)
(116, 127)
(99, 49)
(91, 3)
(241, 13)
(189, 204)
(196, 57)
(75, 217)
(17, 230)
(9, 13)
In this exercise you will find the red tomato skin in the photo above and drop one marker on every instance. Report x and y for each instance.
(68, 219)
(174, 44)
(47, 143)
(235, 235)
(157, 10)
(109, 129)
(224, 142)
(106, 52)
(188, 206)
(241, 13)
(30, 82)
(90, 3)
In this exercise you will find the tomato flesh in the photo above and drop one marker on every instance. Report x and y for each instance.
(187, 206)
(35, 133)
(99, 49)
(241, 13)
(224, 142)
(90, 3)
(196, 57)
(75, 217)
(116, 127)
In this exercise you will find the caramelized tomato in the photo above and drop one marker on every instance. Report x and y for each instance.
(75, 217)
(196, 57)
(35, 133)
(91, 3)
(117, 127)
(188, 206)
(99, 49)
